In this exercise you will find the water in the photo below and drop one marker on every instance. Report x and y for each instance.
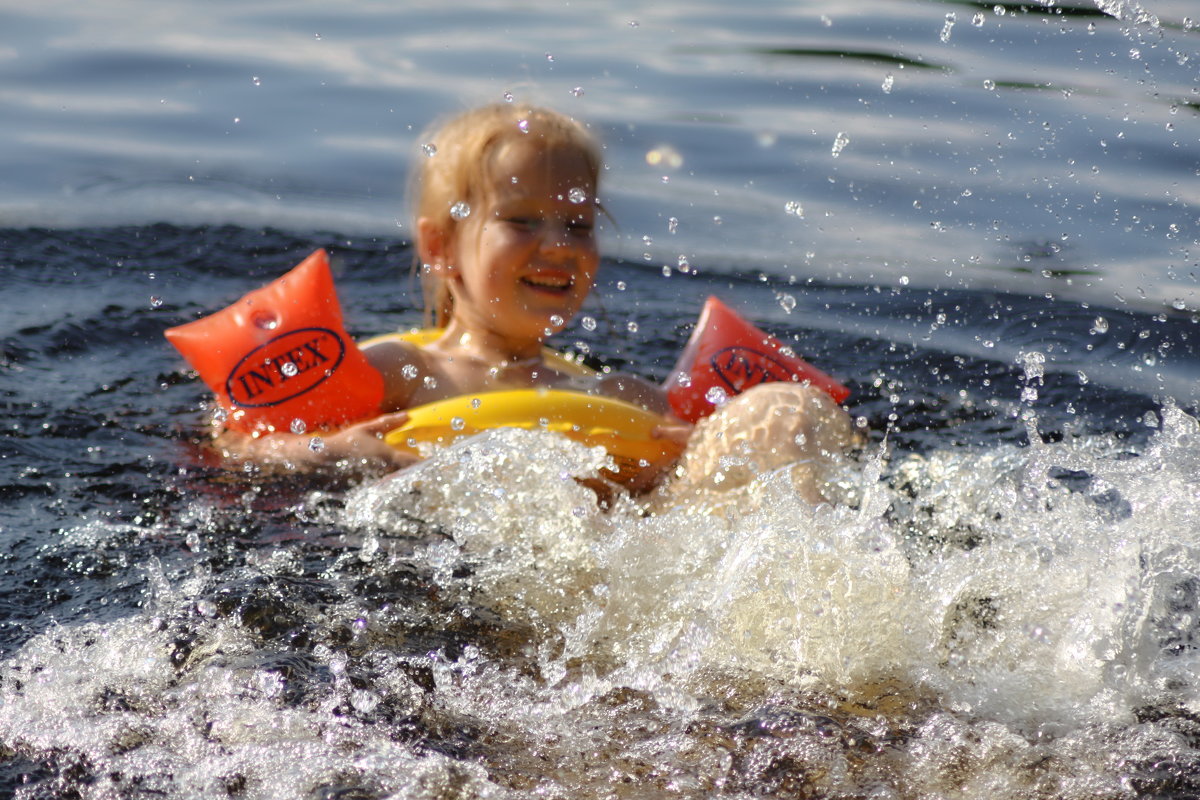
(981, 218)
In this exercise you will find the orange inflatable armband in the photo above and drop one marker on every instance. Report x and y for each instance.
(726, 355)
(280, 357)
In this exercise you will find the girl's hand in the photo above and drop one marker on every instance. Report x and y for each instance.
(364, 440)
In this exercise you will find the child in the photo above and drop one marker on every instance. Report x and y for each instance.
(505, 206)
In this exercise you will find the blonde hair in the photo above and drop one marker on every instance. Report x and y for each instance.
(454, 169)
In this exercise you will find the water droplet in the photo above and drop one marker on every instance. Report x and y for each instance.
(476, 402)
(298, 426)
(523, 125)
(266, 320)
(647, 240)
(1099, 326)
(683, 379)
(457, 423)
(666, 270)
(989, 84)
(155, 301)
(316, 444)
(683, 264)
(716, 395)
(977, 20)
(664, 155)
(429, 149)
(787, 302)
(576, 195)
(839, 143)
(631, 326)
(903, 280)
(588, 323)
(206, 608)
(672, 224)
(317, 36)
(429, 382)
(550, 57)
(460, 210)
(289, 369)
(257, 81)
(889, 80)
(1135, 54)
(794, 208)
(949, 26)
(999, 10)
(633, 23)
(409, 371)
(577, 91)
(556, 320)
(508, 97)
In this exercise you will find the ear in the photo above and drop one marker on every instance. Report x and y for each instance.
(435, 245)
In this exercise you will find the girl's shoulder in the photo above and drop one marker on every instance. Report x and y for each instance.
(402, 361)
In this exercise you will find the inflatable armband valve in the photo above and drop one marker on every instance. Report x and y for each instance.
(726, 355)
(281, 355)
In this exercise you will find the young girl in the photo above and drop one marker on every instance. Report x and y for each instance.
(505, 206)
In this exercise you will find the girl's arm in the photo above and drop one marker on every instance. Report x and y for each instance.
(360, 444)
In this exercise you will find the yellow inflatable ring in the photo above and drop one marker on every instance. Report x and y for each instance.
(623, 429)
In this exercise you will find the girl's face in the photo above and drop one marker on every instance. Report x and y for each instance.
(525, 259)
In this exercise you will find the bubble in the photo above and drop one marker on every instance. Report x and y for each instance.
(155, 301)
(298, 427)
(557, 321)
(577, 195)
(550, 57)
(666, 270)
(429, 382)
(457, 423)
(316, 444)
(523, 126)
(989, 84)
(577, 91)
(672, 224)
(257, 81)
(409, 372)
(977, 20)
(289, 369)
(460, 210)
(683, 379)
(889, 80)
(1099, 326)
(683, 264)
(794, 208)
(717, 396)
(588, 323)
(999, 10)
(787, 303)
(631, 326)
(206, 608)
(508, 97)
(429, 149)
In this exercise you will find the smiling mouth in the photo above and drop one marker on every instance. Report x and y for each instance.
(549, 282)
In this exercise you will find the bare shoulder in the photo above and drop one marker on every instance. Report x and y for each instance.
(635, 389)
(401, 363)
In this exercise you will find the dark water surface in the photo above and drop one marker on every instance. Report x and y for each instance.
(1002, 604)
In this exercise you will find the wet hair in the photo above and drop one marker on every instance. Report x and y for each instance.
(454, 168)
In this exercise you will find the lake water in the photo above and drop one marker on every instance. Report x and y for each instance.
(982, 218)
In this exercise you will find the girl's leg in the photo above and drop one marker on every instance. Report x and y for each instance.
(762, 429)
